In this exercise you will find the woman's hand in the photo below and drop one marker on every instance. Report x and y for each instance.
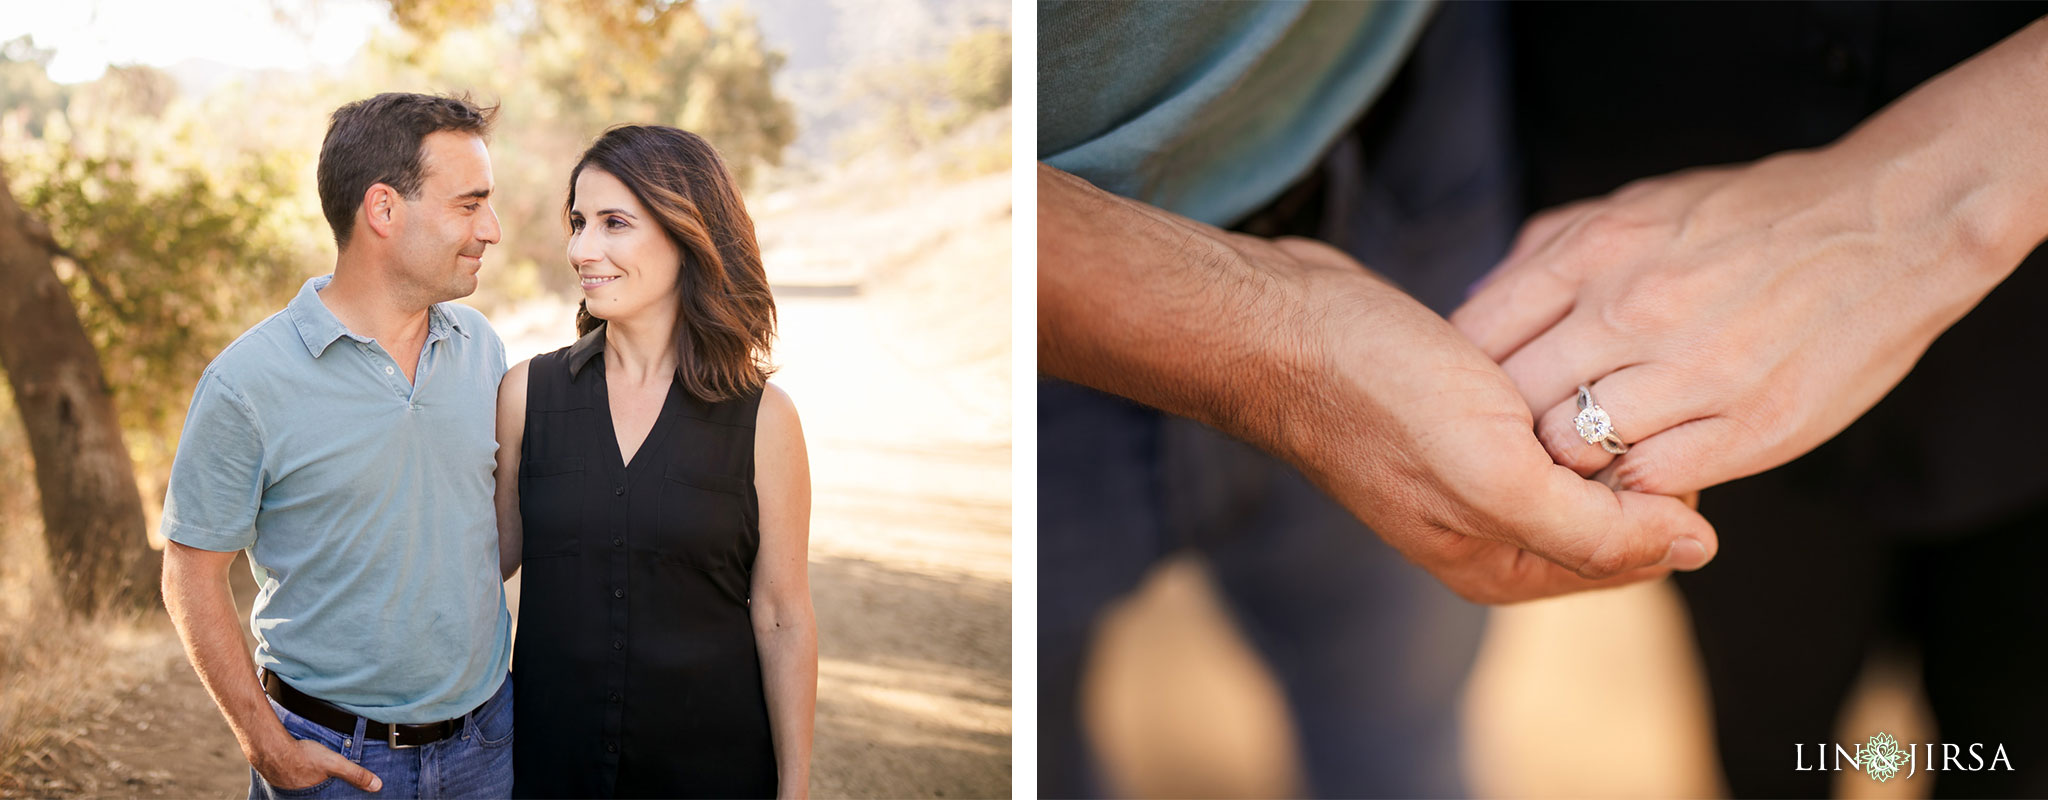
(1730, 320)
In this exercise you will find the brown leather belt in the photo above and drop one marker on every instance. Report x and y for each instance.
(344, 723)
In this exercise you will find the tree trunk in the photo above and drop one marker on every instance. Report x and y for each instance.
(92, 513)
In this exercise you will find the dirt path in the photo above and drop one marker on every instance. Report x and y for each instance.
(161, 736)
(902, 381)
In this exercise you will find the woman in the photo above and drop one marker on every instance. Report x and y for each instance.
(658, 490)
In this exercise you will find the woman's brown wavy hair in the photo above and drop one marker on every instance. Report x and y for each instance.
(725, 315)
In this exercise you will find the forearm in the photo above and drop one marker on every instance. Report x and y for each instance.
(787, 640)
(1156, 308)
(202, 607)
(511, 535)
(1970, 146)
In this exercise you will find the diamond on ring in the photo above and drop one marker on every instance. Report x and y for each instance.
(1594, 425)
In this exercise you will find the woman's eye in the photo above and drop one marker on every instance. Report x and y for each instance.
(575, 225)
(614, 223)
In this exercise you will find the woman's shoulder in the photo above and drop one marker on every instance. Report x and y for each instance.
(775, 412)
(548, 363)
(544, 379)
(775, 402)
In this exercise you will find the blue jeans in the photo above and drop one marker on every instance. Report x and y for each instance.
(477, 762)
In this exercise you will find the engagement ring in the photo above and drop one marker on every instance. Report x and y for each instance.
(1594, 425)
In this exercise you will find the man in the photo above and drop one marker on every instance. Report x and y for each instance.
(346, 445)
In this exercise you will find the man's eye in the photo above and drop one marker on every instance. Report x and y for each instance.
(473, 206)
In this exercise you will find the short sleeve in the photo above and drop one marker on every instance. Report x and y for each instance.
(216, 483)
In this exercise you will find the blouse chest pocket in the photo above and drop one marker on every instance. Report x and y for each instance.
(705, 520)
(551, 509)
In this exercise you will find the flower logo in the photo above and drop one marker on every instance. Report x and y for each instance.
(1881, 757)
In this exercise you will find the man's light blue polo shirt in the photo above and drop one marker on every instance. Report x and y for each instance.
(1210, 109)
(364, 504)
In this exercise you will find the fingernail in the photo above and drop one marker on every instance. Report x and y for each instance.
(1685, 555)
(376, 784)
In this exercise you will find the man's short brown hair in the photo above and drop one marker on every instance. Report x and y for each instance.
(378, 140)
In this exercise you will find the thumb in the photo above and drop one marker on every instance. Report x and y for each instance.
(349, 771)
(1598, 532)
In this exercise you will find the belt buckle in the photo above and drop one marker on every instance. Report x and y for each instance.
(391, 738)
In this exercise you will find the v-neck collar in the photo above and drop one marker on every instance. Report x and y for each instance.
(581, 354)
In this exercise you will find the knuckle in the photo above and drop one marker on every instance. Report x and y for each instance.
(1609, 231)
(1650, 301)
(1480, 591)
(1669, 467)
(1561, 439)
(1542, 226)
(1608, 559)
(1636, 189)
(1767, 417)
(1643, 475)
(1477, 592)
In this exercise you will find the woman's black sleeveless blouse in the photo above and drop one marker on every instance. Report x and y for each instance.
(635, 668)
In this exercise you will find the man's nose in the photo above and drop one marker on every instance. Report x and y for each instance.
(489, 233)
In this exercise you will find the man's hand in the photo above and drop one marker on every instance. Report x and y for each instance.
(1729, 320)
(1297, 348)
(304, 763)
(202, 608)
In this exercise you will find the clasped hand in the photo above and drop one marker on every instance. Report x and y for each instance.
(1729, 319)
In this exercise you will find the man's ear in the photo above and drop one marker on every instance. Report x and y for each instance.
(381, 209)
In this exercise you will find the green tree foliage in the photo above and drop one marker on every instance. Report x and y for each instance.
(568, 70)
(978, 70)
(166, 263)
(168, 250)
(913, 106)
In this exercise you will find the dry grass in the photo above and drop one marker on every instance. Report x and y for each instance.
(55, 673)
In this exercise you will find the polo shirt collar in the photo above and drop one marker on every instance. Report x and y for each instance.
(318, 327)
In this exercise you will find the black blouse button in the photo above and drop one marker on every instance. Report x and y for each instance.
(618, 541)
(611, 747)
(618, 645)
(614, 697)
(619, 491)
(618, 593)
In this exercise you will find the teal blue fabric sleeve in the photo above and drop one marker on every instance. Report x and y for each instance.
(212, 503)
(1209, 109)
